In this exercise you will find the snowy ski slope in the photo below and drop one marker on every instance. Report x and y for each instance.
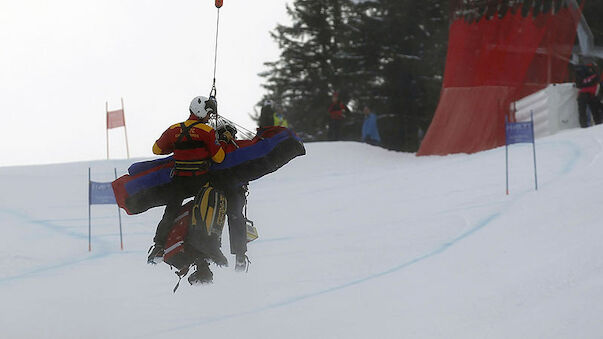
(355, 242)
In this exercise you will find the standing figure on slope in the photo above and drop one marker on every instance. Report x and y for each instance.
(587, 81)
(336, 116)
(267, 115)
(370, 129)
(194, 146)
(279, 119)
(235, 192)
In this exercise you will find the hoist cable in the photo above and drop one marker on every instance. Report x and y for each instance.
(213, 87)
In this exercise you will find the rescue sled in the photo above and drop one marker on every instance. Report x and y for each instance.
(145, 184)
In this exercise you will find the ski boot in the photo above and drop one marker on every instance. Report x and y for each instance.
(155, 254)
(214, 253)
(242, 263)
(218, 258)
(202, 275)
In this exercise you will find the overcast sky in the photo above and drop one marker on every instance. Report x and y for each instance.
(61, 60)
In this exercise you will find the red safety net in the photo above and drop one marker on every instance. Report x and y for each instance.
(492, 62)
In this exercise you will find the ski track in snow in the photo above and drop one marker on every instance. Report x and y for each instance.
(441, 249)
(100, 247)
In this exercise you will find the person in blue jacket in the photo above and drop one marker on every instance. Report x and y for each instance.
(370, 130)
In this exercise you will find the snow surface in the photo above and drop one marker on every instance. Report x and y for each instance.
(355, 242)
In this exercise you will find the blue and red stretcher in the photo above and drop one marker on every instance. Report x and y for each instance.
(145, 184)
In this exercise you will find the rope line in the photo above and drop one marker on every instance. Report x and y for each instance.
(213, 87)
(247, 134)
(213, 93)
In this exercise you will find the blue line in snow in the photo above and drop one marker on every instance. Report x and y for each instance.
(64, 264)
(577, 154)
(442, 248)
(49, 268)
(46, 224)
(435, 252)
(101, 251)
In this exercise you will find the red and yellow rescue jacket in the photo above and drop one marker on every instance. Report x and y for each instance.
(194, 145)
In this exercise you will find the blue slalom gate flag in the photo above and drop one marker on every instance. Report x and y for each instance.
(520, 132)
(101, 193)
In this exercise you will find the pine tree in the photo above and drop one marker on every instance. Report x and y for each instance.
(387, 54)
(404, 45)
(309, 68)
(593, 11)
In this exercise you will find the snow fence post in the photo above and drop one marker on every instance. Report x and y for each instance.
(101, 193)
(89, 216)
(507, 154)
(534, 150)
(106, 130)
(125, 129)
(121, 239)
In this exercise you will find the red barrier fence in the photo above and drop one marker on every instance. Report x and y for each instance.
(491, 63)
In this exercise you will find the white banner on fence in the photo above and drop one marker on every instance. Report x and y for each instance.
(555, 108)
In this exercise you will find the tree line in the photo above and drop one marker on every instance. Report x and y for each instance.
(386, 54)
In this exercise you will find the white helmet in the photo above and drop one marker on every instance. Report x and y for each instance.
(202, 106)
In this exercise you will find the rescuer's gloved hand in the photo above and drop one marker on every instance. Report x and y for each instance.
(227, 136)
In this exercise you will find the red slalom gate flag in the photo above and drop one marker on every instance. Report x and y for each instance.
(115, 119)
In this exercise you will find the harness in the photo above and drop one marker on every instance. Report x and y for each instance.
(184, 142)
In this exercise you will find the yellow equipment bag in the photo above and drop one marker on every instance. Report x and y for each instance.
(209, 211)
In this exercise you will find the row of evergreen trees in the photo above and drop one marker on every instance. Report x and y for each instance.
(387, 54)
